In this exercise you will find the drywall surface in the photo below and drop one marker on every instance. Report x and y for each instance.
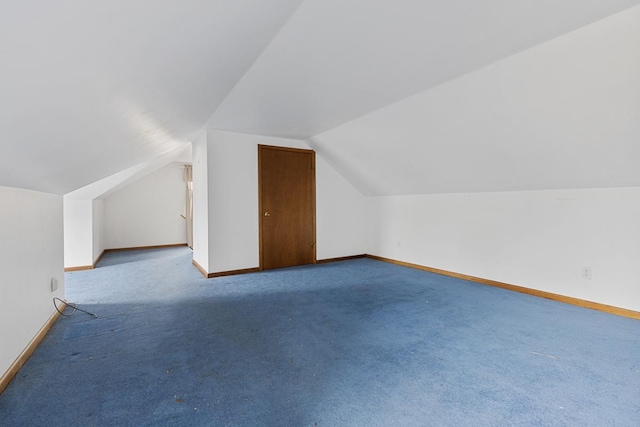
(31, 253)
(129, 84)
(563, 114)
(83, 231)
(536, 239)
(78, 232)
(233, 198)
(147, 212)
(233, 203)
(200, 202)
(97, 228)
(340, 211)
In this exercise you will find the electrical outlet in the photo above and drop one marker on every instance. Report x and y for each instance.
(54, 284)
(586, 273)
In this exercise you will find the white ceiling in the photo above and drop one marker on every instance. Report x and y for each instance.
(102, 188)
(562, 115)
(337, 60)
(88, 89)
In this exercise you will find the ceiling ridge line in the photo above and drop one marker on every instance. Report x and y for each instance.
(253, 63)
(475, 70)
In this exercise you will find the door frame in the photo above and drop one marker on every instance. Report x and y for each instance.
(260, 209)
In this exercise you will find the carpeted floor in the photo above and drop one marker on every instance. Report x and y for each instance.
(355, 343)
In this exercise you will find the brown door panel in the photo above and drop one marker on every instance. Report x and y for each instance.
(287, 205)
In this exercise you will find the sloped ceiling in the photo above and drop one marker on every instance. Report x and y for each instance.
(89, 89)
(337, 60)
(106, 186)
(562, 115)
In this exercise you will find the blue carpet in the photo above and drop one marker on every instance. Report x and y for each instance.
(354, 343)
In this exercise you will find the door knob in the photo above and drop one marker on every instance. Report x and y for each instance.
(267, 214)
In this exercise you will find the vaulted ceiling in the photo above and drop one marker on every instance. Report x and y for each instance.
(403, 96)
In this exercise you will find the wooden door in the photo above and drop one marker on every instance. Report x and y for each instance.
(287, 200)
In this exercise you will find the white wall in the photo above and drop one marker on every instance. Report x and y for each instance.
(233, 200)
(78, 233)
(83, 231)
(98, 244)
(536, 239)
(147, 212)
(341, 227)
(233, 203)
(31, 253)
(563, 114)
(200, 202)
